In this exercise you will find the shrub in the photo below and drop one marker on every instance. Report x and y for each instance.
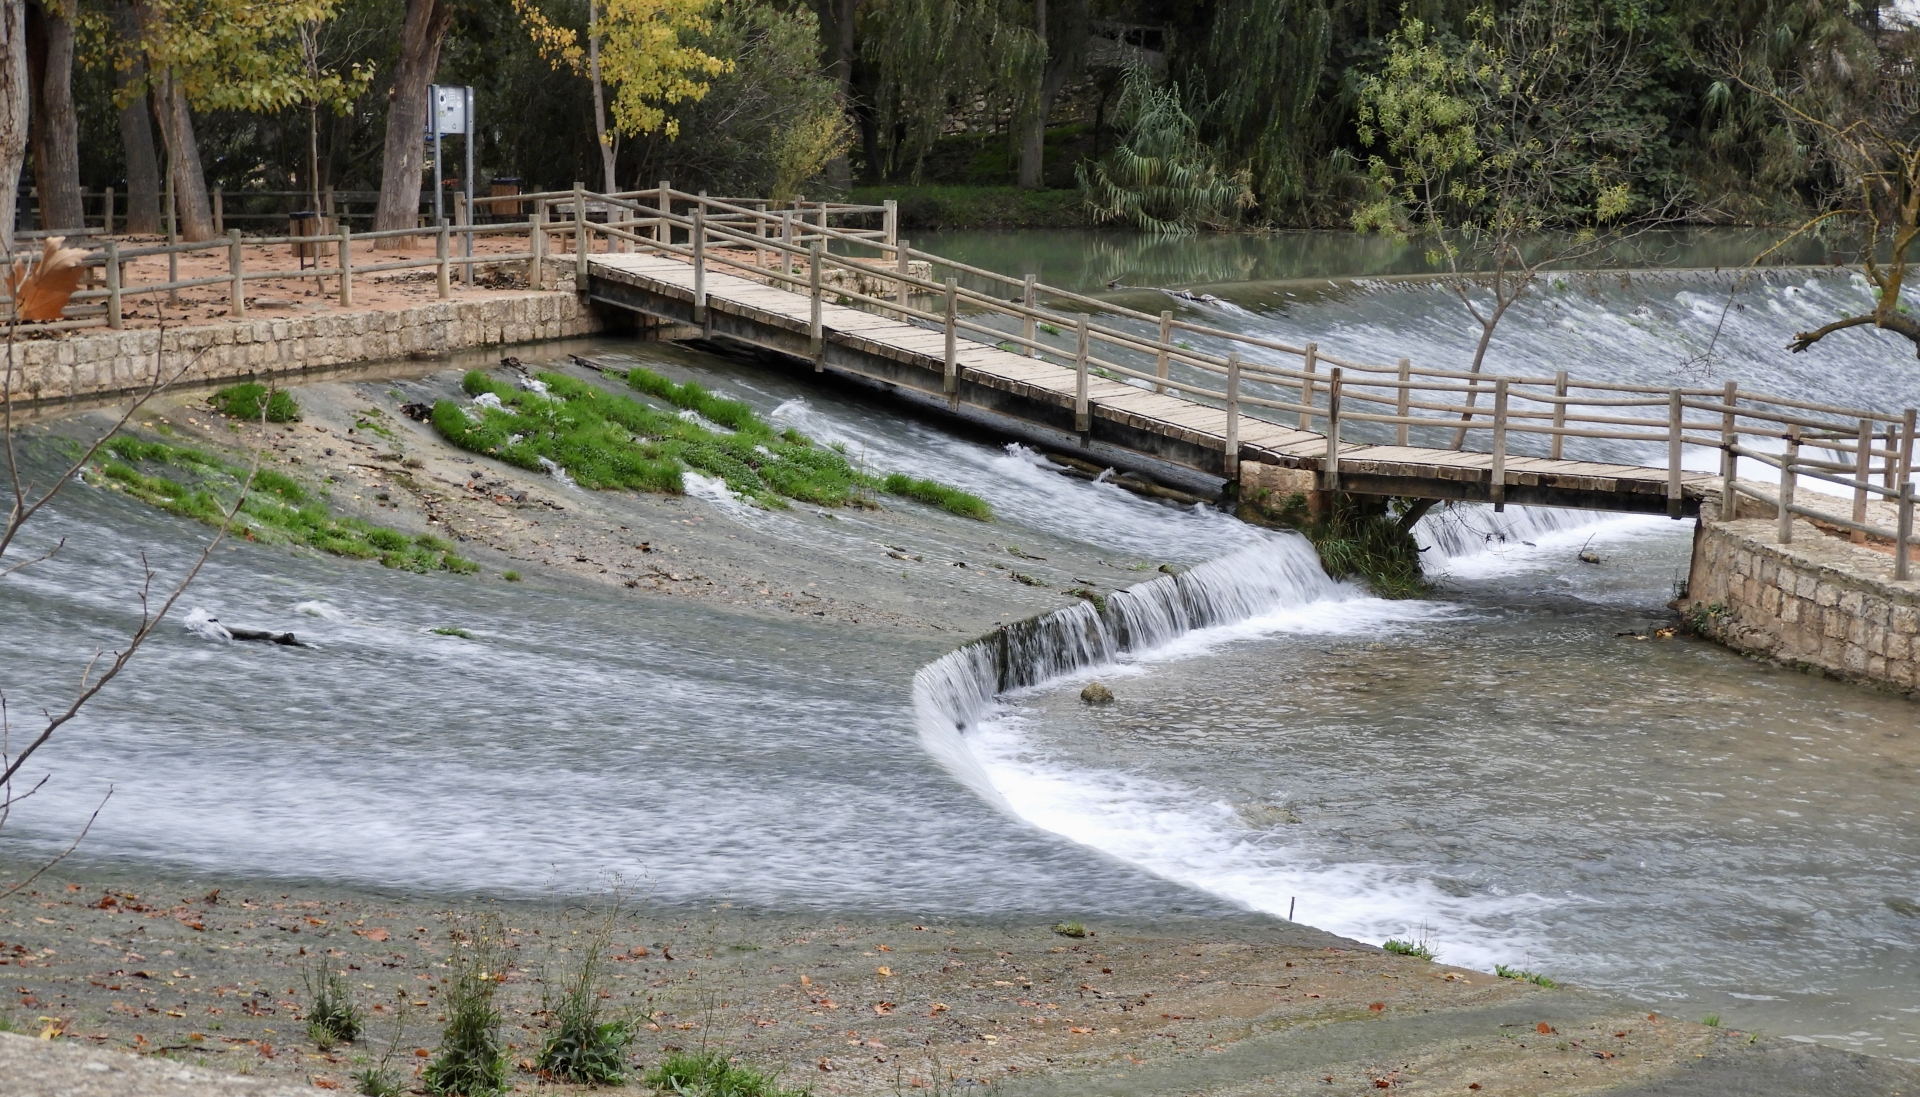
(1162, 178)
(247, 399)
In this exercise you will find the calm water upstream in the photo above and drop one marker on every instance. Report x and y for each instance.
(1494, 770)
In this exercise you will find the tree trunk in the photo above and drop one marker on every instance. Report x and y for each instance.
(13, 111)
(405, 153)
(1065, 31)
(54, 132)
(183, 160)
(136, 133)
(599, 99)
(836, 34)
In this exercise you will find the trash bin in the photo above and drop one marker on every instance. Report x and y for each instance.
(504, 185)
(309, 223)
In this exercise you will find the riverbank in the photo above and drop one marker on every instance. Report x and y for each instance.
(207, 972)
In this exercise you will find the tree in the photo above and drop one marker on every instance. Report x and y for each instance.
(928, 55)
(136, 126)
(14, 99)
(1063, 35)
(1509, 152)
(639, 47)
(1161, 179)
(404, 155)
(1865, 137)
(54, 129)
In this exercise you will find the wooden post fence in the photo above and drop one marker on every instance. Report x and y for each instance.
(950, 375)
(1787, 459)
(346, 265)
(1862, 469)
(700, 266)
(1082, 411)
(1729, 460)
(1028, 297)
(816, 340)
(1163, 351)
(236, 274)
(114, 319)
(1497, 490)
(1675, 439)
(1306, 385)
(1403, 404)
(1232, 444)
(1330, 468)
(901, 253)
(1559, 414)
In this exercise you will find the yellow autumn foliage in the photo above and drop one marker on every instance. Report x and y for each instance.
(642, 56)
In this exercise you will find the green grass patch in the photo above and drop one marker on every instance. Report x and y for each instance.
(249, 398)
(510, 576)
(1505, 972)
(1071, 929)
(710, 1074)
(451, 631)
(1407, 948)
(472, 1057)
(278, 510)
(606, 440)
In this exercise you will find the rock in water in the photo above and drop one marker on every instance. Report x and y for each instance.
(1096, 694)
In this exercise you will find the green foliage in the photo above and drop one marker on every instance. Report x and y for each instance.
(586, 1047)
(1258, 69)
(711, 1074)
(604, 440)
(449, 630)
(936, 494)
(1365, 538)
(510, 576)
(378, 1080)
(1711, 1020)
(277, 509)
(1161, 178)
(331, 1015)
(1407, 948)
(929, 55)
(245, 401)
(1071, 929)
(1505, 972)
(940, 207)
(472, 1058)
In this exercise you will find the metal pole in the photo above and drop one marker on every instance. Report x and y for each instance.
(950, 378)
(443, 251)
(346, 265)
(1306, 386)
(1082, 407)
(433, 110)
(1406, 399)
(467, 112)
(1729, 460)
(1232, 452)
(113, 285)
(1787, 460)
(1497, 489)
(1163, 351)
(1330, 468)
(237, 293)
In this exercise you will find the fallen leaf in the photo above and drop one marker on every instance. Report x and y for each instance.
(937, 1010)
(41, 294)
(1544, 1028)
(805, 981)
(883, 1009)
(369, 934)
(1081, 1031)
(1377, 1006)
(422, 1053)
(321, 1081)
(883, 948)
(884, 971)
(1473, 1085)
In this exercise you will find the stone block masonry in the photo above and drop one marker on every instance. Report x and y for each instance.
(1819, 603)
(97, 362)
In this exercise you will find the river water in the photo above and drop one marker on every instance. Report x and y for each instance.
(1495, 771)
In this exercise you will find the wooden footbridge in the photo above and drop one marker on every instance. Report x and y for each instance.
(820, 283)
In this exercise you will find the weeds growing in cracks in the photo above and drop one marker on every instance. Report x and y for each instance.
(382, 1079)
(1505, 972)
(250, 399)
(586, 1046)
(472, 1057)
(1408, 948)
(604, 440)
(277, 510)
(710, 1074)
(332, 1018)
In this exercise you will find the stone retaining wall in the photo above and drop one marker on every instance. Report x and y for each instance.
(1819, 603)
(91, 362)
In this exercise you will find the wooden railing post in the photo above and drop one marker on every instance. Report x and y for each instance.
(1232, 451)
(1082, 408)
(816, 335)
(1030, 298)
(1330, 468)
(1862, 472)
(114, 319)
(1559, 444)
(950, 376)
(1903, 540)
(663, 229)
(891, 221)
(1163, 353)
(443, 251)
(1787, 459)
(1729, 460)
(902, 254)
(219, 212)
(346, 265)
(1893, 452)
(579, 237)
(1497, 489)
(1405, 401)
(1904, 471)
(106, 211)
(237, 286)
(700, 265)
(1675, 438)
(759, 233)
(1307, 362)
(786, 237)
(537, 249)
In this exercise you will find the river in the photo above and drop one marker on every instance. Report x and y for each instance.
(1496, 771)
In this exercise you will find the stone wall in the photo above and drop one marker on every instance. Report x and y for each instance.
(1818, 603)
(94, 362)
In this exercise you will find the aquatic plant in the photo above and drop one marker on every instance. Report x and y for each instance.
(472, 1057)
(711, 1074)
(331, 1015)
(247, 399)
(277, 510)
(1358, 536)
(604, 440)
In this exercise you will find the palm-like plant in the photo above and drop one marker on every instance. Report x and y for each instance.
(1162, 179)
